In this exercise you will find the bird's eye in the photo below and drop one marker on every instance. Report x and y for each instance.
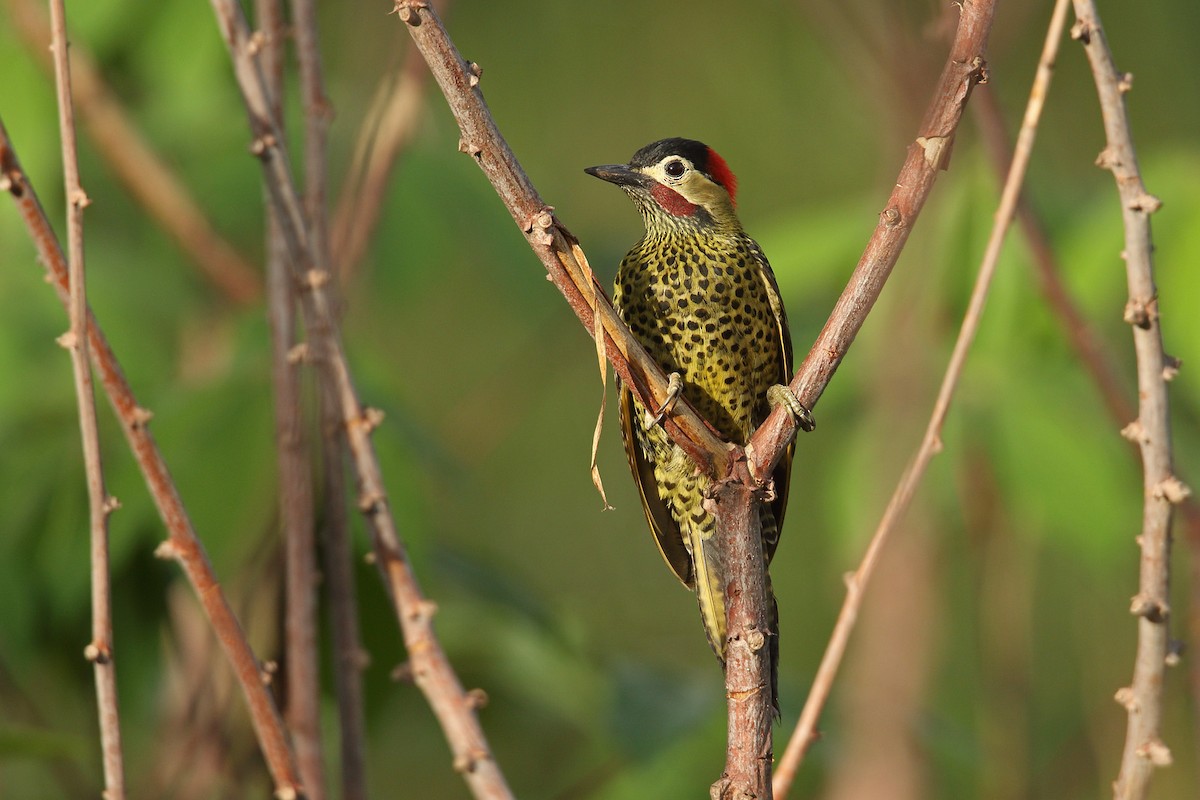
(674, 168)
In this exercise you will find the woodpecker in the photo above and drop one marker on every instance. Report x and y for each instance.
(699, 295)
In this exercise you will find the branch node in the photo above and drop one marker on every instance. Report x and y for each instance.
(166, 550)
(477, 699)
(892, 217)
(255, 43)
(1173, 490)
(1151, 608)
(402, 672)
(1174, 654)
(298, 353)
(407, 11)
(370, 419)
(1125, 83)
(369, 503)
(936, 149)
(1126, 699)
(261, 147)
(466, 762)
(141, 418)
(97, 653)
(286, 793)
(1081, 32)
(79, 199)
(474, 150)
(267, 673)
(1145, 203)
(475, 73)
(1171, 366)
(1134, 432)
(755, 639)
(110, 505)
(1106, 159)
(1156, 752)
(369, 558)
(315, 279)
(68, 341)
(7, 184)
(1141, 312)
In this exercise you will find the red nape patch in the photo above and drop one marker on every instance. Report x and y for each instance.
(722, 174)
(672, 201)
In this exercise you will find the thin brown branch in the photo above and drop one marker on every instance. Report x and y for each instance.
(183, 544)
(928, 154)
(1143, 699)
(454, 708)
(143, 172)
(553, 244)
(100, 650)
(349, 658)
(856, 583)
(302, 707)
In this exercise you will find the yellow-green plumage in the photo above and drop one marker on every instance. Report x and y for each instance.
(699, 294)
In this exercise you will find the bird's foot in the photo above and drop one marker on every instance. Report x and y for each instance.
(780, 395)
(674, 389)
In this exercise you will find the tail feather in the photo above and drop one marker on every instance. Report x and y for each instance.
(710, 587)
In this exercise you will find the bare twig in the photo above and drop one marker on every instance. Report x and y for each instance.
(302, 708)
(100, 650)
(1143, 699)
(931, 444)
(431, 669)
(182, 544)
(140, 168)
(553, 244)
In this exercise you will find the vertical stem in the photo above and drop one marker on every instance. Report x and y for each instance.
(302, 707)
(747, 669)
(100, 650)
(1143, 699)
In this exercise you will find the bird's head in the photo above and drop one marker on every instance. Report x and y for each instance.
(679, 183)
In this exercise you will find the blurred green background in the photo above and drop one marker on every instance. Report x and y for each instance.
(998, 629)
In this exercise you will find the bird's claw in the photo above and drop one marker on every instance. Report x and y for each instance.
(674, 389)
(780, 395)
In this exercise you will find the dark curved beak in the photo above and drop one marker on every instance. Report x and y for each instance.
(619, 174)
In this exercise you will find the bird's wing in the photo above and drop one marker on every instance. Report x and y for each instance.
(666, 531)
(782, 475)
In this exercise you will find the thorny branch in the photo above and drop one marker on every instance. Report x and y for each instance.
(100, 650)
(1143, 699)
(183, 544)
(430, 668)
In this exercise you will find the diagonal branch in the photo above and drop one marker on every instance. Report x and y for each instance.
(100, 650)
(183, 544)
(927, 155)
(930, 445)
(1143, 699)
(553, 244)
